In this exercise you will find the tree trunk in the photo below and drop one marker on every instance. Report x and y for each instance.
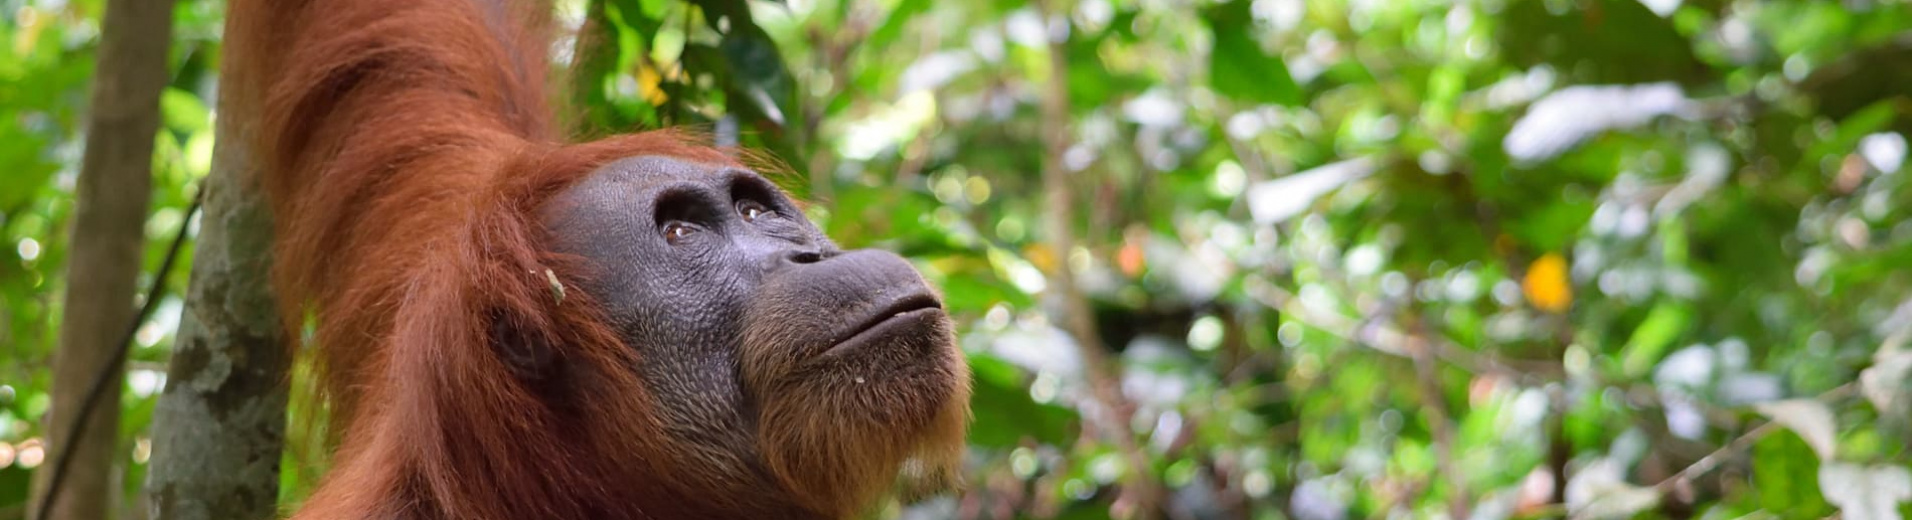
(115, 186)
(219, 428)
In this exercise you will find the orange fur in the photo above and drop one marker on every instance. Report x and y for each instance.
(407, 145)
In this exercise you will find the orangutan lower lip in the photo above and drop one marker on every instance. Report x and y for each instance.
(901, 311)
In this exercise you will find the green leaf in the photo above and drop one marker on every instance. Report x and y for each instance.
(1005, 415)
(1871, 119)
(1649, 342)
(1238, 68)
(184, 112)
(27, 171)
(1785, 476)
(757, 71)
(14, 485)
(893, 24)
(1444, 87)
(1555, 226)
(1598, 41)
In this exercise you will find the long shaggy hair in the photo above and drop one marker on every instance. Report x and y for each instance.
(406, 146)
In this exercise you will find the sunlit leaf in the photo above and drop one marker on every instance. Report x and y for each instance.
(1599, 491)
(1885, 150)
(1865, 492)
(1650, 340)
(184, 112)
(1810, 419)
(1277, 200)
(1885, 384)
(1565, 118)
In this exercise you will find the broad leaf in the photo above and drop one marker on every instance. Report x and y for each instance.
(1237, 65)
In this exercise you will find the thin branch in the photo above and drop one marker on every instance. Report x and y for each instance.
(1739, 444)
(1712, 460)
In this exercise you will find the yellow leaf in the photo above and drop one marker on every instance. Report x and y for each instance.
(1546, 284)
(648, 85)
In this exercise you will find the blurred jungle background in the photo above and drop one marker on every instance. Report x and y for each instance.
(1253, 259)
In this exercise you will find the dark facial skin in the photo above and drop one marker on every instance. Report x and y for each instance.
(736, 304)
(675, 264)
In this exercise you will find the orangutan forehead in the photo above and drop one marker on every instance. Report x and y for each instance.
(632, 182)
(653, 168)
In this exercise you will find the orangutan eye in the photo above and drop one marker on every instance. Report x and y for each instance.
(676, 231)
(752, 210)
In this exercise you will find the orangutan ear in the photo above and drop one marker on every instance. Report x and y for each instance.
(530, 357)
